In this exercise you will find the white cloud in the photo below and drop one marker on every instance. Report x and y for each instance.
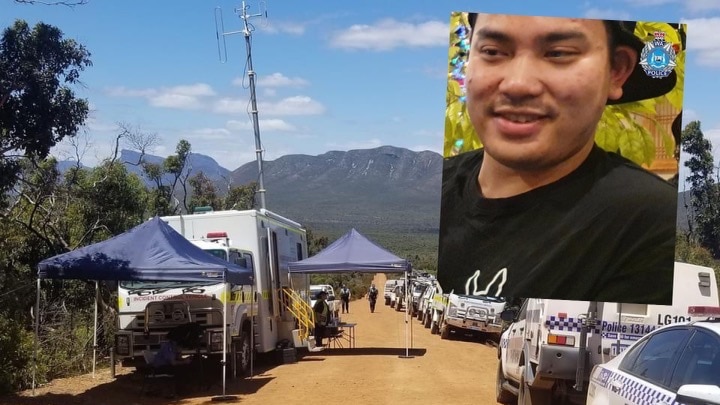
(702, 41)
(691, 6)
(280, 80)
(699, 6)
(179, 101)
(607, 14)
(229, 105)
(211, 134)
(688, 116)
(121, 91)
(265, 125)
(713, 136)
(361, 144)
(296, 105)
(269, 93)
(284, 27)
(182, 97)
(388, 34)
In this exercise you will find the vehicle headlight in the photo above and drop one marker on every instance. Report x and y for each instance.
(452, 310)
(216, 341)
(122, 345)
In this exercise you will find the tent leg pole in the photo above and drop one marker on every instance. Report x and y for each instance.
(407, 347)
(253, 294)
(224, 397)
(97, 295)
(37, 334)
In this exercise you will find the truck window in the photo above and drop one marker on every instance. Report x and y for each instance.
(218, 253)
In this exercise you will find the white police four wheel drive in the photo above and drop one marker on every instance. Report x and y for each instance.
(675, 364)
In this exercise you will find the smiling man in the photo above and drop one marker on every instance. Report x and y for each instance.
(541, 211)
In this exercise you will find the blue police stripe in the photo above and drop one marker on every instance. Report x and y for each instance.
(636, 392)
(567, 324)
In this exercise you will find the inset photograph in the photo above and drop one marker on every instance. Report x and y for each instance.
(561, 158)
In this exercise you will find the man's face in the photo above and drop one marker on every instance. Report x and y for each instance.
(537, 87)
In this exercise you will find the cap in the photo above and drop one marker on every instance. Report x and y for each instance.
(639, 85)
(317, 296)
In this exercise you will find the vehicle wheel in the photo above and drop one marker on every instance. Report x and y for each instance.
(434, 327)
(445, 332)
(398, 306)
(392, 304)
(240, 351)
(387, 301)
(524, 391)
(503, 396)
(427, 319)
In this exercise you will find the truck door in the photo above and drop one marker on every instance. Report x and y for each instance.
(512, 355)
(274, 272)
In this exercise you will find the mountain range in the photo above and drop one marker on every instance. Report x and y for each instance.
(387, 193)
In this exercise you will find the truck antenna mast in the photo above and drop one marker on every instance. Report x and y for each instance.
(247, 32)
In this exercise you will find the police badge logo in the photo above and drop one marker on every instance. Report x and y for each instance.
(658, 57)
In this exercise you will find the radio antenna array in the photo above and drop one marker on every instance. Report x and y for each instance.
(247, 30)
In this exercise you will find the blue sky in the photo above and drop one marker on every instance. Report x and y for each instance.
(331, 75)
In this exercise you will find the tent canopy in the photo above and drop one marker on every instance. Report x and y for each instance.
(353, 252)
(152, 251)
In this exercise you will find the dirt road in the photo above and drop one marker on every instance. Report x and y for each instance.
(457, 371)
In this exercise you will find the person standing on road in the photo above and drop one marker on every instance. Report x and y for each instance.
(345, 298)
(322, 317)
(372, 297)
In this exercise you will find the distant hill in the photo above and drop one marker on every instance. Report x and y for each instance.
(385, 187)
(390, 194)
(197, 163)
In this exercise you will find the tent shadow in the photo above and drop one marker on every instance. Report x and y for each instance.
(363, 351)
(127, 388)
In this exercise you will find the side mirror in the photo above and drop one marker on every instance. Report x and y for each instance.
(508, 315)
(698, 394)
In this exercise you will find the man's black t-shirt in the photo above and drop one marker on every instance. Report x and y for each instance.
(604, 232)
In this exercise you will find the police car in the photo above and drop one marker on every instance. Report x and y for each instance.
(675, 364)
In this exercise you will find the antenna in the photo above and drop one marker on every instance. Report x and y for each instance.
(247, 32)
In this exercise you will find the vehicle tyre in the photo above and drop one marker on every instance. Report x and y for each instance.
(434, 327)
(398, 306)
(445, 332)
(392, 304)
(503, 396)
(427, 319)
(240, 352)
(387, 301)
(524, 391)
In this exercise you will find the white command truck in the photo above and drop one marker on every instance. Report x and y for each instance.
(259, 239)
(472, 314)
(548, 350)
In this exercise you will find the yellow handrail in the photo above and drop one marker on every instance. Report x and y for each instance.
(301, 310)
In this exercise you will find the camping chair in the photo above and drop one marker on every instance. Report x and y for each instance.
(334, 336)
(153, 375)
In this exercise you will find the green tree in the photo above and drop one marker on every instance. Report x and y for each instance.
(203, 193)
(51, 213)
(241, 197)
(37, 105)
(315, 243)
(163, 200)
(704, 210)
